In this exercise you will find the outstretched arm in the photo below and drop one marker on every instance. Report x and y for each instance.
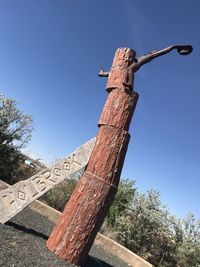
(181, 49)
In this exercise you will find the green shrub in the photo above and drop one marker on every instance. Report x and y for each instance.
(59, 195)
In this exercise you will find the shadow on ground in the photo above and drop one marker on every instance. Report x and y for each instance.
(23, 243)
(26, 230)
(91, 261)
(94, 262)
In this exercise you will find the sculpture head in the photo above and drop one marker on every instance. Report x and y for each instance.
(131, 56)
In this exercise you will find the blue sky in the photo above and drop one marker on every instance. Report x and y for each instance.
(50, 54)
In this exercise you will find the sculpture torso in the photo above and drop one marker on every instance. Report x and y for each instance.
(120, 69)
(125, 64)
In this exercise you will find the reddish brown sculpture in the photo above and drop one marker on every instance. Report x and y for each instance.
(133, 64)
(84, 213)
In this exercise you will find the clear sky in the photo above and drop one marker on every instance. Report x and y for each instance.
(50, 54)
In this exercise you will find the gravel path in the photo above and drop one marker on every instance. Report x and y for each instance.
(22, 244)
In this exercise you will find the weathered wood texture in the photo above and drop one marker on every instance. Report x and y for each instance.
(78, 225)
(119, 109)
(83, 215)
(119, 69)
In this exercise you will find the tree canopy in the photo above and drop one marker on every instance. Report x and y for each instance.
(15, 133)
(140, 222)
(15, 127)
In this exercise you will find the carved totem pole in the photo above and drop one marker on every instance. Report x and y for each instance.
(84, 213)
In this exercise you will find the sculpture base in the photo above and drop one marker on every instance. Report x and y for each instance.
(77, 227)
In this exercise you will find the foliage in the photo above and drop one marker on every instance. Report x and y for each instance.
(147, 228)
(188, 251)
(59, 195)
(15, 132)
(15, 127)
(121, 202)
